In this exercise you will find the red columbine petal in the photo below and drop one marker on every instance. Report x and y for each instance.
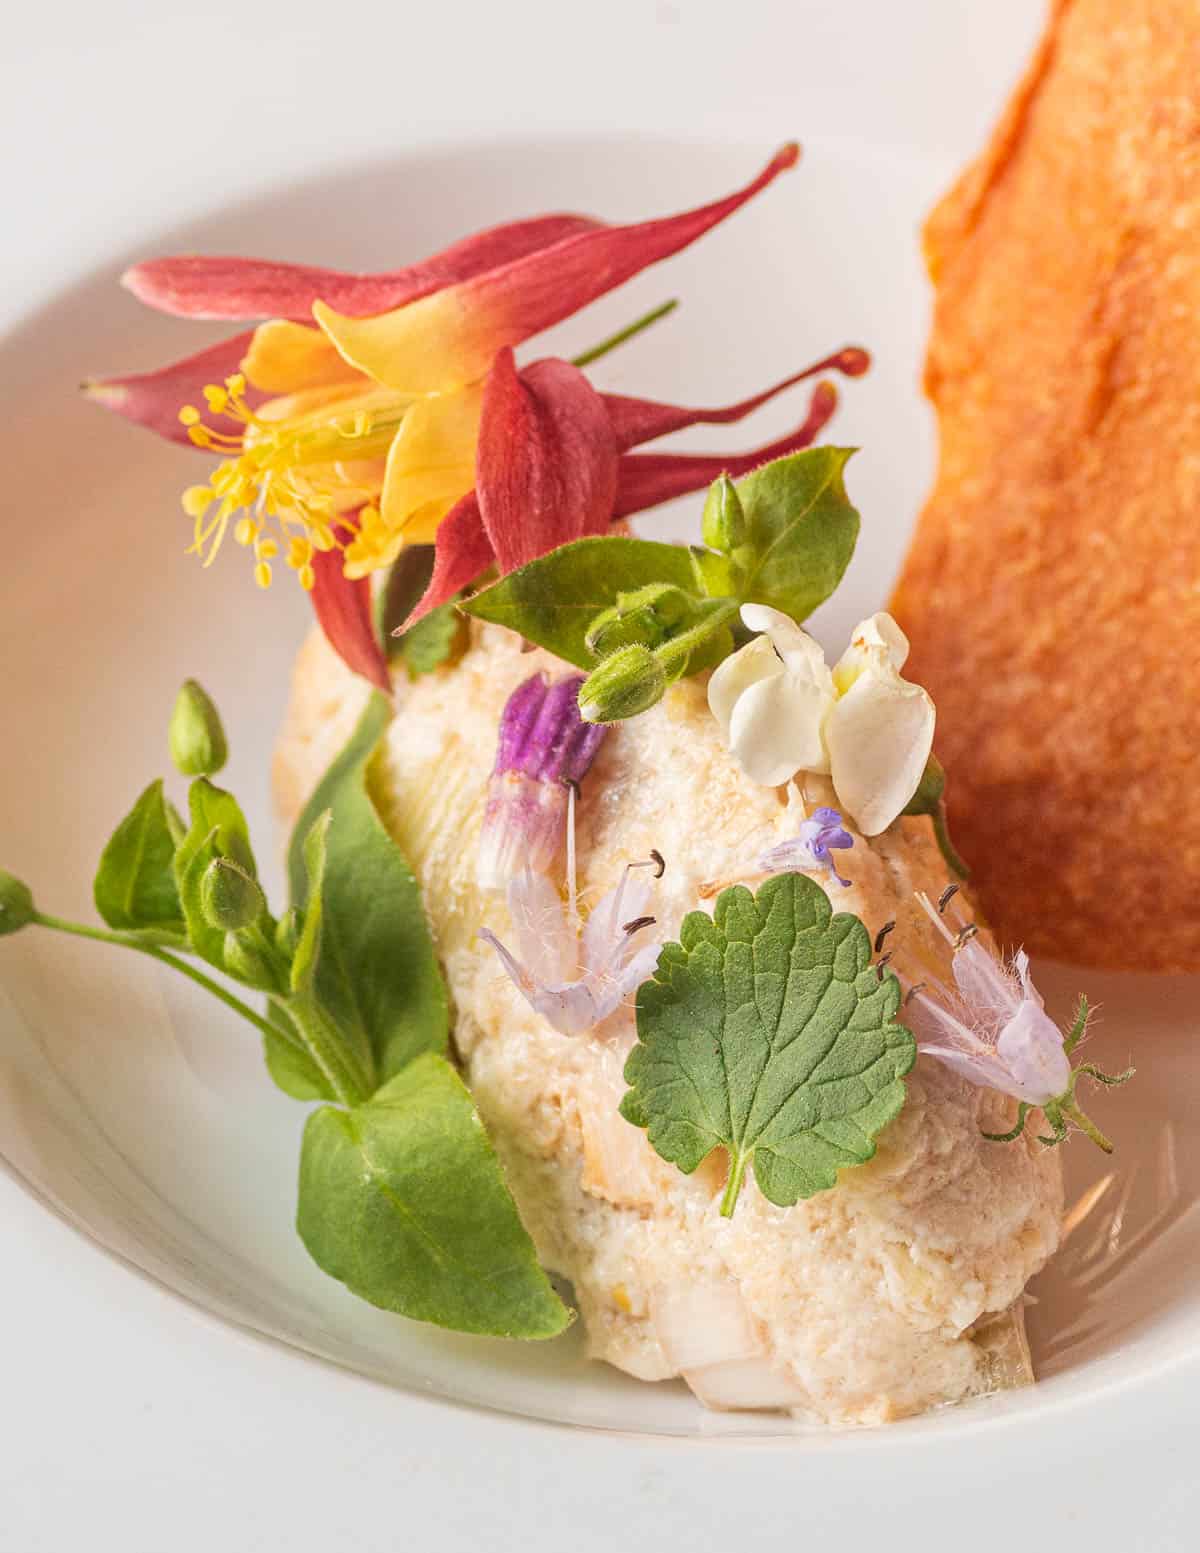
(214, 287)
(153, 399)
(463, 552)
(646, 479)
(344, 611)
(641, 420)
(453, 336)
(546, 464)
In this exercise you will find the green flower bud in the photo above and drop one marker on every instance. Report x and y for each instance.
(643, 616)
(16, 904)
(287, 933)
(246, 958)
(229, 896)
(627, 682)
(723, 523)
(195, 735)
(928, 797)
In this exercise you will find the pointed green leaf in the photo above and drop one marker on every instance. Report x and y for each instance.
(403, 1200)
(377, 976)
(767, 1031)
(800, 530)
(135, 885)
(553, 601)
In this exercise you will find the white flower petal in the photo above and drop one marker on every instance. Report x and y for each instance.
(1031, 1048)
(976, 1070)
(604, 936)
(775, 729)
(877, 642)
(756, 661)
(546, 945)
(802, 653)
(879, 735)
(993, 992)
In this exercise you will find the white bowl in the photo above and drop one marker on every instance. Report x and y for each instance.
(140, 1111)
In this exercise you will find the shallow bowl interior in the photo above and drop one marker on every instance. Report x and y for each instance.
(140, 1111)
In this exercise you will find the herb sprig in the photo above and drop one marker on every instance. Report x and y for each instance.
(401, 1195)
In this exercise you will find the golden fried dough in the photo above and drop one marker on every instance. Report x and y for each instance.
(1052, 592)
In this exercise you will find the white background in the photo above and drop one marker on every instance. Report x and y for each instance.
(128, 1421)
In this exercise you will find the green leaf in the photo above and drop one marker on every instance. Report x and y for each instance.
(801, 530)
(402, 1199)
(767, 1031)
(135, 887)
(377, 976)
(217, 829)
(434, 640)
(554, 600)
(289, 1064)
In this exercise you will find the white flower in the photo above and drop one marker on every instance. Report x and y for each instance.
(783, 711)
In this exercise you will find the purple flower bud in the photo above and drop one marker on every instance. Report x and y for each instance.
(544, 747)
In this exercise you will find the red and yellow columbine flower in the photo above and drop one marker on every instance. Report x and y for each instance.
(376, 411)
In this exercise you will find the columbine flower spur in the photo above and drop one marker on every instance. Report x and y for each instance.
(991, 1028)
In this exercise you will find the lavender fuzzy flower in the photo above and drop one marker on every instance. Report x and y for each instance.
(544, 748)
(818, 835)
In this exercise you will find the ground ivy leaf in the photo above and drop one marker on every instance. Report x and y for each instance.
(766, 1031)
(377, 976)
(135, 887)
(801, 530)
(552, 601)
(403, 1200)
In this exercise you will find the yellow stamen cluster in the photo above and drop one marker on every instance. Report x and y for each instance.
(285, 475)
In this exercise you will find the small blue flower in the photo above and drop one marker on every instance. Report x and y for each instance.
(820, 834)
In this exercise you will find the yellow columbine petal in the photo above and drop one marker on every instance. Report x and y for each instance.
(284, 357)
(425, 347)
(431, 464)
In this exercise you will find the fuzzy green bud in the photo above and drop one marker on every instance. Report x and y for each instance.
(287, 932)
(230, 897)
(723, 523)
(247, 959)
(195, 735)
(626, 683)
(16, 904)
(928, 796)
(644, 616)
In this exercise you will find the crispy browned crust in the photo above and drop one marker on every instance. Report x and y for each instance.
(1052, 593)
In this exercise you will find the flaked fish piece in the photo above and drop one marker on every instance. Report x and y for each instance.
(895, 1292)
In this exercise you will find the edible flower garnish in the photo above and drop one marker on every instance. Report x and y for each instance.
(993, 1029)
(782, 710)
(545, 749)
(402, 416)
(819, 834)
(575, 973)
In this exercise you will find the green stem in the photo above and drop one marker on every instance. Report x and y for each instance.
(737, 1171)
(1087, 1126)
(674, 654)
(100, 935)
(941, 835)
(629, 331)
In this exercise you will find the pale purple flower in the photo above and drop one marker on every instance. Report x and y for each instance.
(822, 832)
(991, 1027)
(544, 748)
(572, 971)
